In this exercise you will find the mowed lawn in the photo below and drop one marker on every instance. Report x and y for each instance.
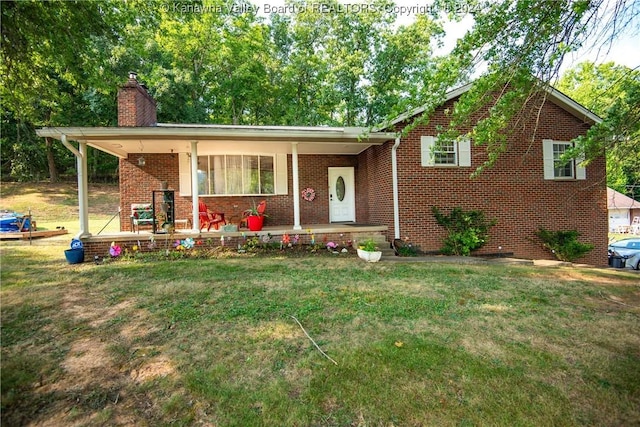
(214, 342)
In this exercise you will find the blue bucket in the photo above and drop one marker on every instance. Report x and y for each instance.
(74, 256)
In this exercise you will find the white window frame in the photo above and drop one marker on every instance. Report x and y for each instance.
(429, 149)
(223, 174)
(279, 174)
(550, 160)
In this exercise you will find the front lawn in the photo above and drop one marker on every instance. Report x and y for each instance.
(215, 342)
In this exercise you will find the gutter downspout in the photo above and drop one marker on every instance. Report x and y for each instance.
(396, 203)
(83, 185)
(195, 219)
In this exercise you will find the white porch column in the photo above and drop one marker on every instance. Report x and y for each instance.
(296, 187)
(83, 190)
(195, 219)
(83, 185)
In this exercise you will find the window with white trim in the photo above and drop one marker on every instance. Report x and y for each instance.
(555, 167)
(235, 174)
(452, 153)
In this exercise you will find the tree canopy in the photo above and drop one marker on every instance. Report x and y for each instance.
(219, 61)
(613, 92)
(517, 49)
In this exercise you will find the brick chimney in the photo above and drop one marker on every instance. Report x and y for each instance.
(135, 106)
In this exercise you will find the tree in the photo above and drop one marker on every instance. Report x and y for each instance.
(47, 61)
(613, 92)
(517, 48)
(349, 67)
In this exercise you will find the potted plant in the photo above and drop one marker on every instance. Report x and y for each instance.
(255, 216)
(368, 251)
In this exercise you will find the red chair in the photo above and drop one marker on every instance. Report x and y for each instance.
(209, 218)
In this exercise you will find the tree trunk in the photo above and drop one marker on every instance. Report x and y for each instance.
(53, 171)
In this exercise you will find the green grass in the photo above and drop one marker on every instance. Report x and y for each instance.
(56, 205)
(191, 342)
(213, 341)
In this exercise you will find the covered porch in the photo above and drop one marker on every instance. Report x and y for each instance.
(174, 153)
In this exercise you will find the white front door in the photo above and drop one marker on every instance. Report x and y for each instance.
(342, 195)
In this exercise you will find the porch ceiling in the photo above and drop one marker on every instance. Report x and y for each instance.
(212, 139)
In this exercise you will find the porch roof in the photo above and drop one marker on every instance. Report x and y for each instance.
(177, 138)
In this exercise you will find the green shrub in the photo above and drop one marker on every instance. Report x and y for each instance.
(408, 251)
(404, 248)
(467, 231)
(563, 244)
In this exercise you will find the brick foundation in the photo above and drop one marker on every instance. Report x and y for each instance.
(99, 245)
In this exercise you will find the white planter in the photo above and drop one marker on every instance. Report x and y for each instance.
(369, 256)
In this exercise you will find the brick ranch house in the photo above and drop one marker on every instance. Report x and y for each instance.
(359, 176)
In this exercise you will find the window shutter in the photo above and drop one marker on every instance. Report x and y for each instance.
(427, 144)
(464, 152)
(581, 171)
(282, 182)
(184, 174)
(547, 157)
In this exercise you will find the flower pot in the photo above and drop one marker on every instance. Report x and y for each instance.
(369, 256)
(254, 222)
(74, 256)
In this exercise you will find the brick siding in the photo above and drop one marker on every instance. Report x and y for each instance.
(513, 192)
(138, 182)
(135, 106)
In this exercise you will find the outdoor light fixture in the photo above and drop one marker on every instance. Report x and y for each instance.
(141, 160)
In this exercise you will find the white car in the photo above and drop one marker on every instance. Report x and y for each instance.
(629, 249)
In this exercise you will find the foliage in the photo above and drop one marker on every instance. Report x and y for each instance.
(54, 72)
(613, 92)
(63, 61)
(368, 245)
(467, 231)
(253, 210)
(317, 66)
(516, 49)
(563, 244)
(408, 251)
(404, 248)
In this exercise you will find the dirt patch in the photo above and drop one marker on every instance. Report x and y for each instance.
(274, 331)
(605, 277)
(629, 302)
(137, 325)
(494, 308)
(98, 378)
(156, 367)
(483, 348)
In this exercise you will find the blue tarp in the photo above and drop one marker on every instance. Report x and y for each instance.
(11, 222)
